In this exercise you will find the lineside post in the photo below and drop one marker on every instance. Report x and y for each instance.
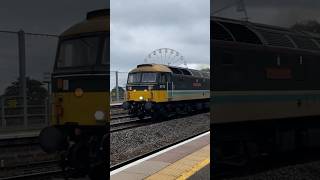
(22, 75)
(3, 119)
(117, 87)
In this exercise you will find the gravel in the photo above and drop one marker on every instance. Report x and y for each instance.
(130, 143)
(306, 171)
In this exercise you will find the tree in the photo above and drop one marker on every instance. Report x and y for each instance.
(36, 94)
(308, 25)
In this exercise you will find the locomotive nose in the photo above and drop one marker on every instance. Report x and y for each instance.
(51, 139)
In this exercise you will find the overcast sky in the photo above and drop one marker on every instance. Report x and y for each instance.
(36, 16)
(274, 12)
(141, 26)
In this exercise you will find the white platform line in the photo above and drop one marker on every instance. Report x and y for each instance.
(155, 154)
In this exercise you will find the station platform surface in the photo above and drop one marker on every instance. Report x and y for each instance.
(187, 160)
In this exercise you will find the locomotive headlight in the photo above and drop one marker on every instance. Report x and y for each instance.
(141, 97)
(99, 115)
(78, 92)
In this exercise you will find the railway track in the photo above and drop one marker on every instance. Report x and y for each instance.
(21, 141)
(117, 112)
(130, 123)
(133, 123)
(28, 163)
(35, 170)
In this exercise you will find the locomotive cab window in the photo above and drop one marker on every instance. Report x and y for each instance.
(134, 77)
(146, 77)
(149, 77)
(78, 52)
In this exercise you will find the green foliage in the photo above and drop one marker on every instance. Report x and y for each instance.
(36, 93)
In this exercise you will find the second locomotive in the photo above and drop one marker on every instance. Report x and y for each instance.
(158, 90)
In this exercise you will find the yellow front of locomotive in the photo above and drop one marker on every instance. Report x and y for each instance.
(80, 83)
(80, 78)
(148, 82)
(147, 86)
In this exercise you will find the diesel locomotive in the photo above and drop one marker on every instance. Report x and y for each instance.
(80, 98)
(157, 90)
(265, 88)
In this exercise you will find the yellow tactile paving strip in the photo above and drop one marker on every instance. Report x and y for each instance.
(185, 167)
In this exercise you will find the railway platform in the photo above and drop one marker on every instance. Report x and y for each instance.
(187, 160)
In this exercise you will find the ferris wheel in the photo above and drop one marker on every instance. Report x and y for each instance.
(166, 56)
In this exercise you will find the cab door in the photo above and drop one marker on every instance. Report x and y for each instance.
(166, 85)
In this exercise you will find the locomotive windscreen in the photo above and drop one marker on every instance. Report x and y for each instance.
(78, 52)
(142, 77)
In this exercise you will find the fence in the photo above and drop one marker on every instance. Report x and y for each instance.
(118, 81)
(26, 62)
(15, 114)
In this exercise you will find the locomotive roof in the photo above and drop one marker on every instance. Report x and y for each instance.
(260, 34)
(96, 21)
(170, 69)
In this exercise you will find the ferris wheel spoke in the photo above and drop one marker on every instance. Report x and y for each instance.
(165, 56)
